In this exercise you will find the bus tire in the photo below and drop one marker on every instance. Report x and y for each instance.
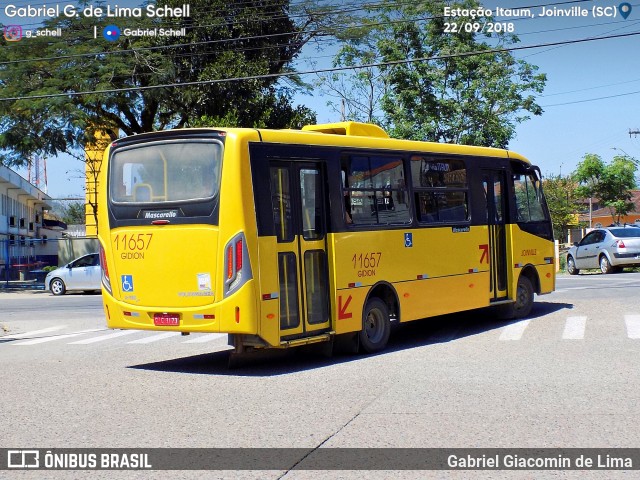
(375, 326)
(523, 302)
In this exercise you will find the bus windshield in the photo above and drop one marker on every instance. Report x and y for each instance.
(168, 171)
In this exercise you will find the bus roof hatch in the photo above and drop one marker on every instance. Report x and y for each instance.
(348, 128)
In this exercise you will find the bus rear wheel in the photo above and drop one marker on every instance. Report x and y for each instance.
(375, 326)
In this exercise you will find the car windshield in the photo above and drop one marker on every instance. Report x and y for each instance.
(630, 232)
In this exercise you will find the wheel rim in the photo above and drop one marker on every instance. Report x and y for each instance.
(374, 325)
(604, 264)
(56, 287)
(570, 265)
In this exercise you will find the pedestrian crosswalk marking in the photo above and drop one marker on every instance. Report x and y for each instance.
(34, 332)
(102, 338)
(53, 338)
(206, 338)
(633, 326)
(156, 338)
(514, 331)
(574, 328)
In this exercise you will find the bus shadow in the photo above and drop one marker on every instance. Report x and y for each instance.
(441, 329)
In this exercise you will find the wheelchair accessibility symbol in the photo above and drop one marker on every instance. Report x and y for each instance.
(408, 240)
(127, 283)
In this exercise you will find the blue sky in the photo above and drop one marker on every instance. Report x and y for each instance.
(591, 100)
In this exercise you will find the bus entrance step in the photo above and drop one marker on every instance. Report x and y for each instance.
(325, 337)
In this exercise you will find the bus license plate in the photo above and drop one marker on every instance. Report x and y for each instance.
(166, 319)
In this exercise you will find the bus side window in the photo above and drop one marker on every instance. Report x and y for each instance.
(347, 197)
(528, 199)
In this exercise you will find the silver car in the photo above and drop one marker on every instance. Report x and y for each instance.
(81, 274)
(609, 249)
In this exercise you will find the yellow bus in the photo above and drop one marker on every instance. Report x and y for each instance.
(283, 238)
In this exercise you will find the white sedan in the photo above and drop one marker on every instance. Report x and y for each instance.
(609, 249)
(81, 274)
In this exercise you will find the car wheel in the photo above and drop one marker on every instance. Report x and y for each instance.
(571, 266)
(605, 266)
(375, 326)
(57, 287)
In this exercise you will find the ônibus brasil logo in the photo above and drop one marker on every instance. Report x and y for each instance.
(111, 33)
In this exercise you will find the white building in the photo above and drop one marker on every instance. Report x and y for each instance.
(24, 232)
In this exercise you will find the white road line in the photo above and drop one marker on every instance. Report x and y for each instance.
(102, 338)
(633, 325)
(514, 331)
(574, 328)
(156, 338)
(38, 341)
(34, 332)
(210, 337)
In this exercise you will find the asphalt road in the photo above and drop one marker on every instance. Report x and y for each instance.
(565, 377)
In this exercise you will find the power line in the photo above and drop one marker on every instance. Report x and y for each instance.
(591, 99)
(324, 70)
(589, 88)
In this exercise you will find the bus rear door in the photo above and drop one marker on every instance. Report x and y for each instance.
(299, 205)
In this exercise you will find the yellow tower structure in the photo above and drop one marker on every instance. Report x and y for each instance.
(94, 150)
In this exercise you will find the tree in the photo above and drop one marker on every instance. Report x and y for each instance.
(223, 40)
(448, 90)
(563, 202)
(610, 184)
(70, 212)
(360, 92)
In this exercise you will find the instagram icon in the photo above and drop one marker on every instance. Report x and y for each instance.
(13, 33)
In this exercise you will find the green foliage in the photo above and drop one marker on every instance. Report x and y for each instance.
(223, 40)
(446, 92)
(70, 212)
(611, 184)
(563, 202)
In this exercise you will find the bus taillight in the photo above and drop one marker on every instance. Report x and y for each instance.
(238, 266)
(229, 262)
(106, 281)
(239, 255)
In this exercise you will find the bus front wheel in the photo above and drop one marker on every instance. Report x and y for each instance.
(375, 326)
(523, 303)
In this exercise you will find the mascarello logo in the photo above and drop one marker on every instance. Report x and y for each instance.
(111, 33)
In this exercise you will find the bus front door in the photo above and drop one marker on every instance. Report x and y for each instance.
(494, 185)
(299, 203)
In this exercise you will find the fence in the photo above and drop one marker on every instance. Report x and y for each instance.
(23, 260)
